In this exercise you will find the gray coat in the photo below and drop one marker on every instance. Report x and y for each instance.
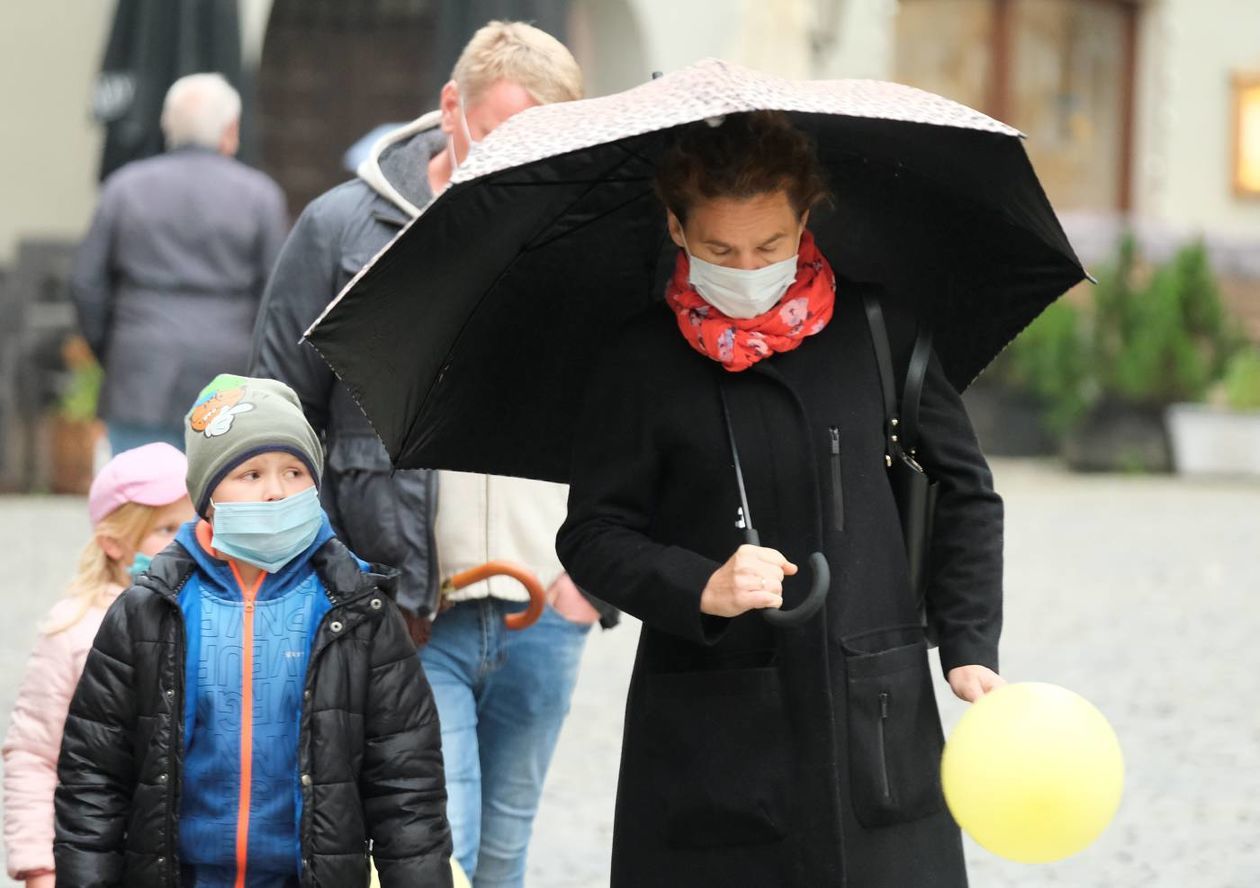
(168, 279)
(381, 515)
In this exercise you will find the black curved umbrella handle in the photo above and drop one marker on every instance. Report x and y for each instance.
(797, 616)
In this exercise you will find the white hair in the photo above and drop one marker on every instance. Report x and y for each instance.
(198, 110)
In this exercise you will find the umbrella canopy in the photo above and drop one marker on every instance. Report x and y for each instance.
(468, 340)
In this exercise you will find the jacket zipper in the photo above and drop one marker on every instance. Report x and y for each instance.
(837, 484)
(308, 696)
(249, 594)
(883, 745)
(175, 768)
(435, 569)
(486, 503)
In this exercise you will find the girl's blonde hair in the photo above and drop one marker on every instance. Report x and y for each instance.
(129, 524)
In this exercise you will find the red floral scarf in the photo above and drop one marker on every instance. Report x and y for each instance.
(737, 344)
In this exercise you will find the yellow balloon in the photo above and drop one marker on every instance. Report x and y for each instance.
(1033, 772)
(460, 880)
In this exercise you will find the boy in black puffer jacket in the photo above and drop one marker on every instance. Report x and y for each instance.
(252, 713)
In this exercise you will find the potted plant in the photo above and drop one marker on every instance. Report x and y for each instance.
(75, 428)
(1032, 394)
(1222, 437)
(1150, 346)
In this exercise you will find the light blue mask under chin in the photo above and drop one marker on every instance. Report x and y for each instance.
(139, 564)
(268, 535)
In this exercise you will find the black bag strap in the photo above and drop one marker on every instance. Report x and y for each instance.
(915, 375)
(883, 357)
(899, 427)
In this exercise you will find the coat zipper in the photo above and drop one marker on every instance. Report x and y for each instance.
(435, 570)
(249, 594)
(883, 745)
(837, 484)
(308, 696)
(175, 767)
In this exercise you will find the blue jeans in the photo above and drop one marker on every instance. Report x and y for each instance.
(501, 697)
(128, 436)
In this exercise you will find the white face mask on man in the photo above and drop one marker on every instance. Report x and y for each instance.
(450, 142)
(742, 293)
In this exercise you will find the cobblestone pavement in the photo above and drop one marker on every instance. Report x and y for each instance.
(1143, 594)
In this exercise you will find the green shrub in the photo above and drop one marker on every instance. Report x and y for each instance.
(1242, 380)
(1115, 307)
(1154, 342)
(1160, 361)
(1162, 343)
(1049, 360)
(79, 400)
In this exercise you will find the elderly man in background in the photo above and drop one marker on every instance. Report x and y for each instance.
(168, 280)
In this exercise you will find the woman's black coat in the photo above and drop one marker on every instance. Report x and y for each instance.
(753, 756)
(369, 742)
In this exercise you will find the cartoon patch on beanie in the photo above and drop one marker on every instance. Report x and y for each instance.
(218, 405)
(270, 419)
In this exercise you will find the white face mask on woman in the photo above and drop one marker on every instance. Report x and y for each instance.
(742, 292)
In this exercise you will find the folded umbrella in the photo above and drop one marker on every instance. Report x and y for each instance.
(523, 575)
(468, 341)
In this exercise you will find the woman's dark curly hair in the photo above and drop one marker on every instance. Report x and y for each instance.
(746, 154)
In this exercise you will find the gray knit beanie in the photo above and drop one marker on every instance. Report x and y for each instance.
(236, 418)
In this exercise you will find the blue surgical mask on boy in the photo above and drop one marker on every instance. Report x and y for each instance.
(268, 534)
(139, 564)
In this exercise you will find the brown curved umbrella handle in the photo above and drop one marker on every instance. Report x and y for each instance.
(537, 595)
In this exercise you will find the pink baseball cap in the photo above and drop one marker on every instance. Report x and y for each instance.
(152, 475)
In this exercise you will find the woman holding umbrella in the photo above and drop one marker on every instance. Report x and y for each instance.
(798, 745)
(754, 753)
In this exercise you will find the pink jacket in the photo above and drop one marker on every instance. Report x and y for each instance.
(34, 740)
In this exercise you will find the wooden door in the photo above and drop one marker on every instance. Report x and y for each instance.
(333, 70)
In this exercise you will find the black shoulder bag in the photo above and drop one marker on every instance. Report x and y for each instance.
(913, 490)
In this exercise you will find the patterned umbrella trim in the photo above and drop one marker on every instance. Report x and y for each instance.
(708, 89)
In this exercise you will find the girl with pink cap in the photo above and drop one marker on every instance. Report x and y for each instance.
(136, 505)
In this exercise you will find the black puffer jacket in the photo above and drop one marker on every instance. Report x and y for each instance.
(369, 742)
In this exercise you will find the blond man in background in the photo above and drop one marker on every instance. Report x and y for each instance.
(502, 697)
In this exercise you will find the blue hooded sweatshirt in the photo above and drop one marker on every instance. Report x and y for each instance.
(241, 803)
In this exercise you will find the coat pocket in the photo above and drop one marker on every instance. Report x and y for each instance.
(895, 737)
(718, 756)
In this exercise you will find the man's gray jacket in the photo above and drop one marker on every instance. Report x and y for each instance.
(168, 280)
(381, 515)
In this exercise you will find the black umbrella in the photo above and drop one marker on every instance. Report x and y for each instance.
(153, 43)
(467, 341)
